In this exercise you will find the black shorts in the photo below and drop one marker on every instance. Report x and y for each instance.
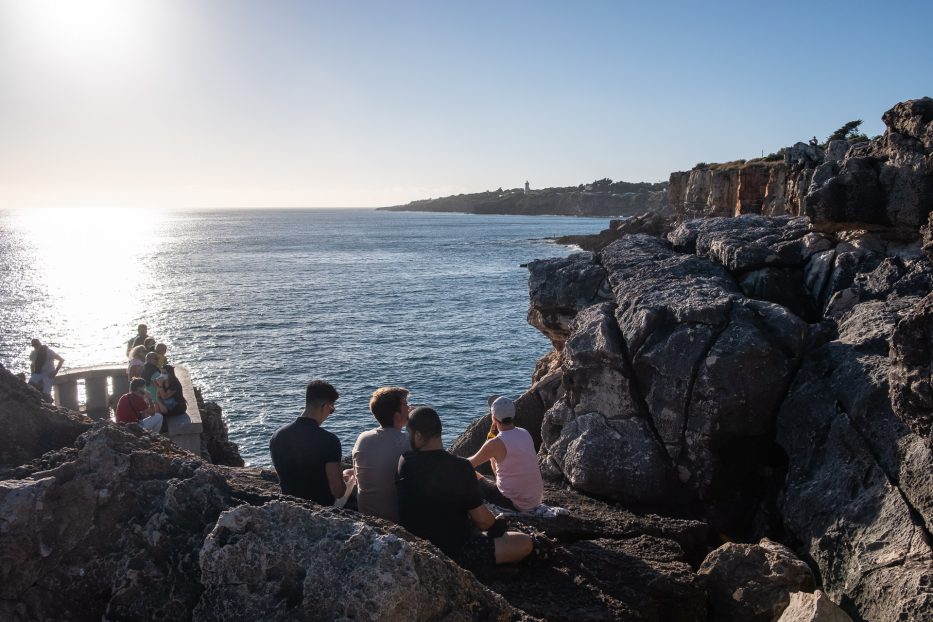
(477, 552)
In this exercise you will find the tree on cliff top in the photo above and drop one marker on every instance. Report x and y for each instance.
(848, 131)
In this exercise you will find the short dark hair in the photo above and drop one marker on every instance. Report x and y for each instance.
(136, 384)
(385, 402)
(320, 391)
(425, 420)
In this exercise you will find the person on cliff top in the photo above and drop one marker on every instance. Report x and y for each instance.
(142, 331)
(306, 456)
(440, 500)
(135, 407)
(44, 365)
(377, 452)
(511, 452)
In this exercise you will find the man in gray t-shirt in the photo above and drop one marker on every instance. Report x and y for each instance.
(377, 452)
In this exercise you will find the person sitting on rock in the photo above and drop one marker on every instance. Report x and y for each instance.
(440, 500)
(377, 452)
(135, 407)
(44, 365)
(511, 452)
(306, 456)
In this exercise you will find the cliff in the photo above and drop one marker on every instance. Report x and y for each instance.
(619, 199)
(764, 365)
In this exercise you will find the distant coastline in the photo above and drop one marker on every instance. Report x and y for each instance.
(602, 198)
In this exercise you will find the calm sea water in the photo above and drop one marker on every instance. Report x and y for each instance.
(256, 303)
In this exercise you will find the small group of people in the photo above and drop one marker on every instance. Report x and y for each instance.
(155, 392)
(403, 473)
(44, 365)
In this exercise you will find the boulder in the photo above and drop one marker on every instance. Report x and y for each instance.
(215, 441)
(292, 563)
(115, 529)
(32, 427)
(753, 582)
(813, 607)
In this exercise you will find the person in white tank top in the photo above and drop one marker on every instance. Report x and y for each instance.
(514, 460)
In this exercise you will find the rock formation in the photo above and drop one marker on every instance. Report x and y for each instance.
(770, 373)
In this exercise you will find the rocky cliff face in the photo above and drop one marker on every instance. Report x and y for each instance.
(771, 373)
(884, 184)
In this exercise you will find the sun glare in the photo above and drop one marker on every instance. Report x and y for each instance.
(86, 32)
(89, 264)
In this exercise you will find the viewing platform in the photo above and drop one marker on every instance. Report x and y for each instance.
(101, 382)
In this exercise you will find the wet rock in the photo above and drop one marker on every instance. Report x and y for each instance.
(32, 427)
(815, 607)
(753, 582)
(294, 564)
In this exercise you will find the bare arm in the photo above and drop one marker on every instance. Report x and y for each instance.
(335, 479)
(58, 364)
(482, 517)
(494, 448)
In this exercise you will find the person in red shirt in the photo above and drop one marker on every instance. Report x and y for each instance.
(135, 407)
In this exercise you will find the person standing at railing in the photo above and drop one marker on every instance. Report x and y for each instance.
(44, 364)
(135, 407)
(142, 331)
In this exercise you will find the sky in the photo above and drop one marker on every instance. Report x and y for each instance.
(281, 103)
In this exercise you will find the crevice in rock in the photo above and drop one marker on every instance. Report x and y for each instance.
(690, 388)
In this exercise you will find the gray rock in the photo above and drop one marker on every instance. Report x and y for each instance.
(847, 453)
(30, 426)
(837, 150)
(911, 375)
(753, 582)
(559, 288)
(815, 607)
(294, 564)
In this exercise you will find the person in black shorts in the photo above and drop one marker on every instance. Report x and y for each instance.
(440, 501)
(307, 457)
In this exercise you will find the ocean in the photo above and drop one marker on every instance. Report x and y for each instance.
(257, 302)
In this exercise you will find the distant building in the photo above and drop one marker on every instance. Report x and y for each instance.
(527, 187)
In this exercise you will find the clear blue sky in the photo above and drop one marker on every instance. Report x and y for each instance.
(213, 103)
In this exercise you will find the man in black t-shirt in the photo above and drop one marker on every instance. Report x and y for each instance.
(307, 457)
(440, 500)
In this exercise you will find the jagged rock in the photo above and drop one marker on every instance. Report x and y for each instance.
(32, 427)
(815, 607)
(651, 223)
(836, 150)
(114, 528)
(911, 375)
(558, 288)
(856, 479)
(885, 183)
(215, 442)
(290, 563)
(753, 582)
(687, 329)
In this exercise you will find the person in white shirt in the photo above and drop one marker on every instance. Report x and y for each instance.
(377, 452)
(44, 364)
(518, 484)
